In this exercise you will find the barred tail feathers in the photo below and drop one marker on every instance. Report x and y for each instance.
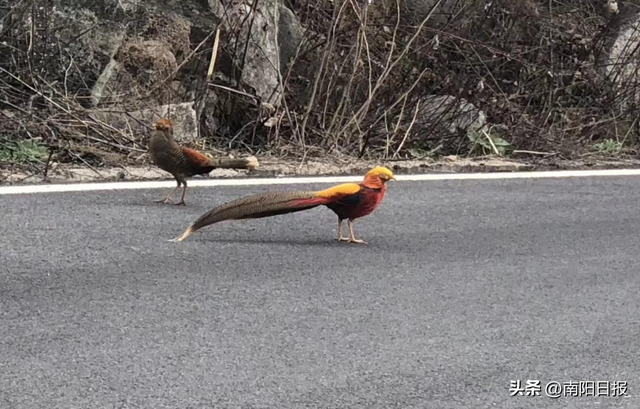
(241, 163)
(257, 206)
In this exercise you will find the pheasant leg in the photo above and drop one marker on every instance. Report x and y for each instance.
(352, 236)
(340, 238)
(168, 198)
(184, 192)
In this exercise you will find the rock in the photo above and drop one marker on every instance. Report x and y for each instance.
(143, 61)
(620, 64)
(117, 69)
(439, 117)
(260, 69)
(133, 123)
(89, 53)
(99, 90)
(612, 7)
(143, 64)
(171, 29)
(111, 53)
(134, 71)
(217, 7)
(289, 37)
(261, 61)
(454, 113)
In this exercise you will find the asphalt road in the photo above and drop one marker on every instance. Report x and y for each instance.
(464, 287)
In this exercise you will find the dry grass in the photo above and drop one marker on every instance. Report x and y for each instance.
(360, 83)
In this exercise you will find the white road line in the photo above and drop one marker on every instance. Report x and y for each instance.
(84, 187)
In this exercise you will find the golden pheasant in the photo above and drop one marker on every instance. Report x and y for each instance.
(184, 162)
(349, 201)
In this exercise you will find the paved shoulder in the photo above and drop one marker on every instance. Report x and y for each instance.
(465, 286)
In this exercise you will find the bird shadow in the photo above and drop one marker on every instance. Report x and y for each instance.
(152, 204)
(293, 242)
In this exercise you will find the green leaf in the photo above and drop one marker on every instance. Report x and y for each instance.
(22, 152)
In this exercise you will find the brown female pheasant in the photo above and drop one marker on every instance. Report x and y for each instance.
(184, 162)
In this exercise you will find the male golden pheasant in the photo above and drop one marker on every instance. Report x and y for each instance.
(184, 162)
(349, 201)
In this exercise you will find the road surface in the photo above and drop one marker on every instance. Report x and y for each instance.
(465, 286)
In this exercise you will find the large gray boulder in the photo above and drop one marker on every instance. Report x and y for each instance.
(290, 36)
(89, 44)
(274, 39)
(620, 63)
(449, 113)
(118, 50)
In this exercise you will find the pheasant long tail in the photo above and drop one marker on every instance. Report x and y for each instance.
(257, 206)
(228, 163)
